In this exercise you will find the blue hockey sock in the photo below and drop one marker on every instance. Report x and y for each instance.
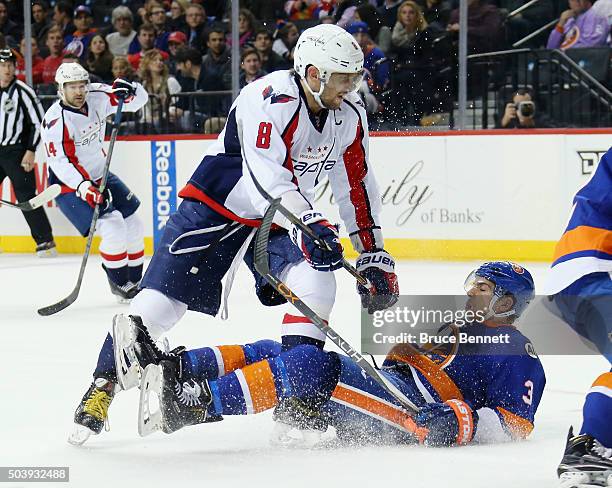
(106, 361)
(597, 410)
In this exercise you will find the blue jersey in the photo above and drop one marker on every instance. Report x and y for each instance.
(503, 382)
(586, 245)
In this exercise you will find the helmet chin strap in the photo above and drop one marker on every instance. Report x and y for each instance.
(316, 95)
(491, 314)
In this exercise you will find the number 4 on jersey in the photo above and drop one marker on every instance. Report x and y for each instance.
(50, 148)
(263, 136)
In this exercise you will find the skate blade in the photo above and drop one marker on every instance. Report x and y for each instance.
(123, 345)
(123, 301)
(585, 479)
(304, 439)
(79, 435)
(47, 253)
(149, 422)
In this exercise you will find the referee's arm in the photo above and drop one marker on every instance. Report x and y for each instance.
(33, 116)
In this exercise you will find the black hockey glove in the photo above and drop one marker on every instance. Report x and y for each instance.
(444, 424)
(124, 89)
(378, 267)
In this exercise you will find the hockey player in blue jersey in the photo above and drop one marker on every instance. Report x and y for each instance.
(467, 392)
(580, 284)
(287, 131)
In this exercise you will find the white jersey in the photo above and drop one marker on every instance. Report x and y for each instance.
(271, 131)
(73, 139)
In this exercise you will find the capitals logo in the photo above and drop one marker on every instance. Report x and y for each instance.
(268, 92)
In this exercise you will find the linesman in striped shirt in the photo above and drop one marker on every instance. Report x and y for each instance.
(20, 118)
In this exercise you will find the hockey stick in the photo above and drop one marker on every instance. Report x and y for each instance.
(39, 200)
(262, 266)
(70, 299)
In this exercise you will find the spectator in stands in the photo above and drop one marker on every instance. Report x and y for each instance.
(286, 39)
(247, 25)
(344, 13)
(419, 87)
(437, 12)
(160, 85)
(579, 26)
(79, 41)
(119, 41)
(146, 41)
(270, 60)
(99, 59)
(160, 22)
(40, 22)
(520, 113)
(55, 45)
(380, 34)
(484, 26)
(38, 62)
(250, 67)
(62, 16)
(527, 21)
(189, 65)
(374, 60)
(267, 9)
(603, 8)
(176, 40)
(388, 12)
(215, 9)
(10, 30)
(2, 41)
(195, 16)
(301, 9)
(177, 15)
(216, 65)
(122, 68)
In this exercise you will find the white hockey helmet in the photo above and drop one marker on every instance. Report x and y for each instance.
(68, 72)
(330, 49)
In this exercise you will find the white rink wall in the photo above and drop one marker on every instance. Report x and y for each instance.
(449, 195)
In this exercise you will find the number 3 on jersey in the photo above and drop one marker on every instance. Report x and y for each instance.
(50, 148)
(263, 136)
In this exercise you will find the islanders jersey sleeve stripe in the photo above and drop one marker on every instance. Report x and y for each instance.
(583, 241)
(232, 358)
(440, 381)
(517, 426)
(259, 381)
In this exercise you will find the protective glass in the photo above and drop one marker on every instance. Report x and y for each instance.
(345, 82)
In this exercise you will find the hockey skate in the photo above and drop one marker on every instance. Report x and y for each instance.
(181, 403)
(294, 416)
(92, 413)
(123, 293)
(586, 463)
(135, 349)
(46, 250)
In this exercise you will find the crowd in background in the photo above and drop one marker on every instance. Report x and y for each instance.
(178, 47)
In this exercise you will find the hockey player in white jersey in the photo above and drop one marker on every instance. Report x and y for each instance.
(73, 135)
(291, 129)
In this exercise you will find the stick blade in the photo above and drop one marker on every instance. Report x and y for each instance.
(59, 306)
(43, 197)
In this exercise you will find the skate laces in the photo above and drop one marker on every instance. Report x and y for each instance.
(189, 393)
(601, 450)
(97, 404)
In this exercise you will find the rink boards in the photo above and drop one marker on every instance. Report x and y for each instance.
(446, 195)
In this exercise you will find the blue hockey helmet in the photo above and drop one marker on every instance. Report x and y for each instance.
(510, 279)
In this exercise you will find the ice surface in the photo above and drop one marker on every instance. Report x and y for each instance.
(46, 363)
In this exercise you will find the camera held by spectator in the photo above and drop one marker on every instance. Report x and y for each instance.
(521, 113)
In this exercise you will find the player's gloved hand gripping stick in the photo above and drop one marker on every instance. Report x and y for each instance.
(263, 267)
(70, 299)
